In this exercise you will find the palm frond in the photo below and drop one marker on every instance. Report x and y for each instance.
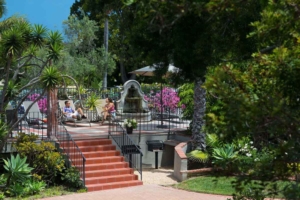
(198, 156)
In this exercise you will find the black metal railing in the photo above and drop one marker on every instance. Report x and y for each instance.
(33, 122)
(70, 149)
(154, 120)
(129, 149)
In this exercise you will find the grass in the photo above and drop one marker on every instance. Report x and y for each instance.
(216, 185)
(208, 184)
(49, 192)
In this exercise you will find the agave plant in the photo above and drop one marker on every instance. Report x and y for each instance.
(224, 156)
(17, 169)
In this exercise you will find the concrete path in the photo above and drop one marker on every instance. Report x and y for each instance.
(147, 192)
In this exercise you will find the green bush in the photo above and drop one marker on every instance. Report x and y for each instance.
(16, 190)
(71, 176)
(3, 180)
(43, 157)
(2, 196)
(35, 187)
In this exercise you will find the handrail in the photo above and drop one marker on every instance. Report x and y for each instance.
(129, 149)
(70, 148)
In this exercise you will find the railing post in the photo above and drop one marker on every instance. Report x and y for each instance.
(83, 176)
(141, 165)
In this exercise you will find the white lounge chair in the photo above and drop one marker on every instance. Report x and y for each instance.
(100, 103)
(34, 116)
(64, 118)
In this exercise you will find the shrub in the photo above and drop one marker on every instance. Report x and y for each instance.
(35, 187)
(2, 196)
(169, 99)
(71, 176)
(43, 157)
(17, 190)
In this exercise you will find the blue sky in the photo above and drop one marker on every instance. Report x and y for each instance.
(50, 13)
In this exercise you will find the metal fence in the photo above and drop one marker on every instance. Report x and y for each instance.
(74, 156)
(128, 148)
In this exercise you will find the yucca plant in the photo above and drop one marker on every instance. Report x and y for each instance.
(17, 169)
(212, 141)
(198, 156)
(50, 77)
(91, 101)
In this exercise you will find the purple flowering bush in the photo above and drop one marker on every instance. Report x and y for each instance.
(42, 103)
(170, 99)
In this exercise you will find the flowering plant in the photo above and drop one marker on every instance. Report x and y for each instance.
(130, 123)
(42, 103)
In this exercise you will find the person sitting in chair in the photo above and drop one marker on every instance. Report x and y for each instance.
(108, 109)
(70, 113)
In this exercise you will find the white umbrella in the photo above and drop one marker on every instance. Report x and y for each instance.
(149, 70)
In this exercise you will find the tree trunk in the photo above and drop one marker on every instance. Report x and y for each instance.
(123, 71)
(51, 112)
(198, 135)
(104, 85)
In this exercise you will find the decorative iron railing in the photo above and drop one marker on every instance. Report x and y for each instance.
(129, 149)
(70, 149)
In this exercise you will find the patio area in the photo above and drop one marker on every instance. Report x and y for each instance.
(96, 130)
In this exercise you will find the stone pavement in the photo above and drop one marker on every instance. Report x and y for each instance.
(143, 192)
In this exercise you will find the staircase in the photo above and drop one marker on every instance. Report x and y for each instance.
(105, 168)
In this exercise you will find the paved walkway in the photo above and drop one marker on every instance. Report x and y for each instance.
(155, 182)
(151, 192)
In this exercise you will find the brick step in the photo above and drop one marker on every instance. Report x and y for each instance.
(108, 159)
(101, 153)
(108, 172)
(111, 179)
(113, 165)
(106, 186)
(93, 142)
(97, 148)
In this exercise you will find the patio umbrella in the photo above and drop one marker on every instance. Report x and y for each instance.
(149, 71)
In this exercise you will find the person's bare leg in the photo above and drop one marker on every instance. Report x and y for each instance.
(104, 117)
(79, 110)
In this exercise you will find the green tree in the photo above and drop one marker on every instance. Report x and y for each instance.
(85, 61)
(19, 44)
(260, 98)
(192, 35)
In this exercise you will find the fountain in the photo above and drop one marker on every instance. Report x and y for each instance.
(132, 103)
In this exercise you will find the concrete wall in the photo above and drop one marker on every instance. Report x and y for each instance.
(180, 161)
(165, 157)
